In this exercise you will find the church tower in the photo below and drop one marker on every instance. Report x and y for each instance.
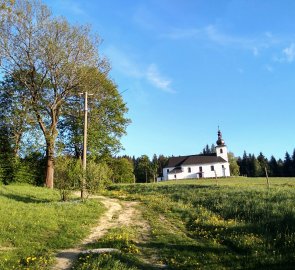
(221, 149)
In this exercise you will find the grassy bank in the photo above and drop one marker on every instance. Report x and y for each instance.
(34, 224)
(229, 224)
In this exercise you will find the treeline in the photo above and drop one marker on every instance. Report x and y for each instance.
(147, 170)
(253, 166)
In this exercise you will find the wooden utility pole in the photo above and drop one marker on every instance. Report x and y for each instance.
(84, 144)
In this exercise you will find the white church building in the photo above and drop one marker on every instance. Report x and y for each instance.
(199, 166)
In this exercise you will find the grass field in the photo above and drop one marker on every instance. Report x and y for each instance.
(34, 224)
(229, 224)
(234, 223)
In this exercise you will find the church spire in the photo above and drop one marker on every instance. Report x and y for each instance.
(219, 141)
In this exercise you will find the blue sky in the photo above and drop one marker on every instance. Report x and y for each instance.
(189, 66)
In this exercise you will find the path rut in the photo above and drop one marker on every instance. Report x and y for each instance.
(118, 213)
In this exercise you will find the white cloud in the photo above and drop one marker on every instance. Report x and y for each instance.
(156, 79)
(213, 34)
(123, 62)
(289, 53)
(127, 65)
(209, 32)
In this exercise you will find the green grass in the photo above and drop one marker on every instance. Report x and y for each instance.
(236, 223)
(121, 239)
(35, 223)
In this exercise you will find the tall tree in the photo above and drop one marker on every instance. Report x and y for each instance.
(287, 166)
(154, 167)
(273, 167)
(14, 111)
(122, 170)
(162, 163)
(107, 121)
(143, 169)
(233, 165)
(49, 55)
(207, 150)
(263, 162)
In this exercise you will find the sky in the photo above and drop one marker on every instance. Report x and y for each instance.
(185, 67)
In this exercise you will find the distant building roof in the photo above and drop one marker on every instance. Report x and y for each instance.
(194, 160)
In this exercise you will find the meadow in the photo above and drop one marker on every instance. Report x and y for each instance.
(235, 223)
(35, 224)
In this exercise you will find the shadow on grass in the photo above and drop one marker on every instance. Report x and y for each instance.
(24, 198)
(232, 260)
(127, 261)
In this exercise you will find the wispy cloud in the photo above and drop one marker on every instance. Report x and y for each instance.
(155, 78)
(127, 65)
(123, 63)
(286, 55)
(211, 33)
(289, 53)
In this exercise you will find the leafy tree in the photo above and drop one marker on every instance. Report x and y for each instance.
(154, 167)
(122, 170)
(1, 173)
(68, 172)
(143, 169)
(253, 166)
(98, 176)
(14, 111)
(6, 155)
(162, 163)
(49, 56)
(106, 122)
(233, 165)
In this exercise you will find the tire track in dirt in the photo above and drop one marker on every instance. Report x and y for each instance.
(118, 213)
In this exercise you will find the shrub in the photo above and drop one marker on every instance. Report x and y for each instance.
(68, 173)
(98, 176)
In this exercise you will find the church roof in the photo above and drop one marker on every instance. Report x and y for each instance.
(194, 160)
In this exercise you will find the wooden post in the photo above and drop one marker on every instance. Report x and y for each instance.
(216, 178)
(84, 145)
(267, 181)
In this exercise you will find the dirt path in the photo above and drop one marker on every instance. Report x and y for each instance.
(119, 213)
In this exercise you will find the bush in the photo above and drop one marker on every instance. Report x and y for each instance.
(23, 172)
(69, 174)
(97, 176)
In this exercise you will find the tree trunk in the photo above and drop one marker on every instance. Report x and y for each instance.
(50, 164)
(17, 144)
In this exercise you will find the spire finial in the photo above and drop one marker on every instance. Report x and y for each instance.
(219, 141)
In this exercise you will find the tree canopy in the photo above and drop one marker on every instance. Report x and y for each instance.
(51, 62)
